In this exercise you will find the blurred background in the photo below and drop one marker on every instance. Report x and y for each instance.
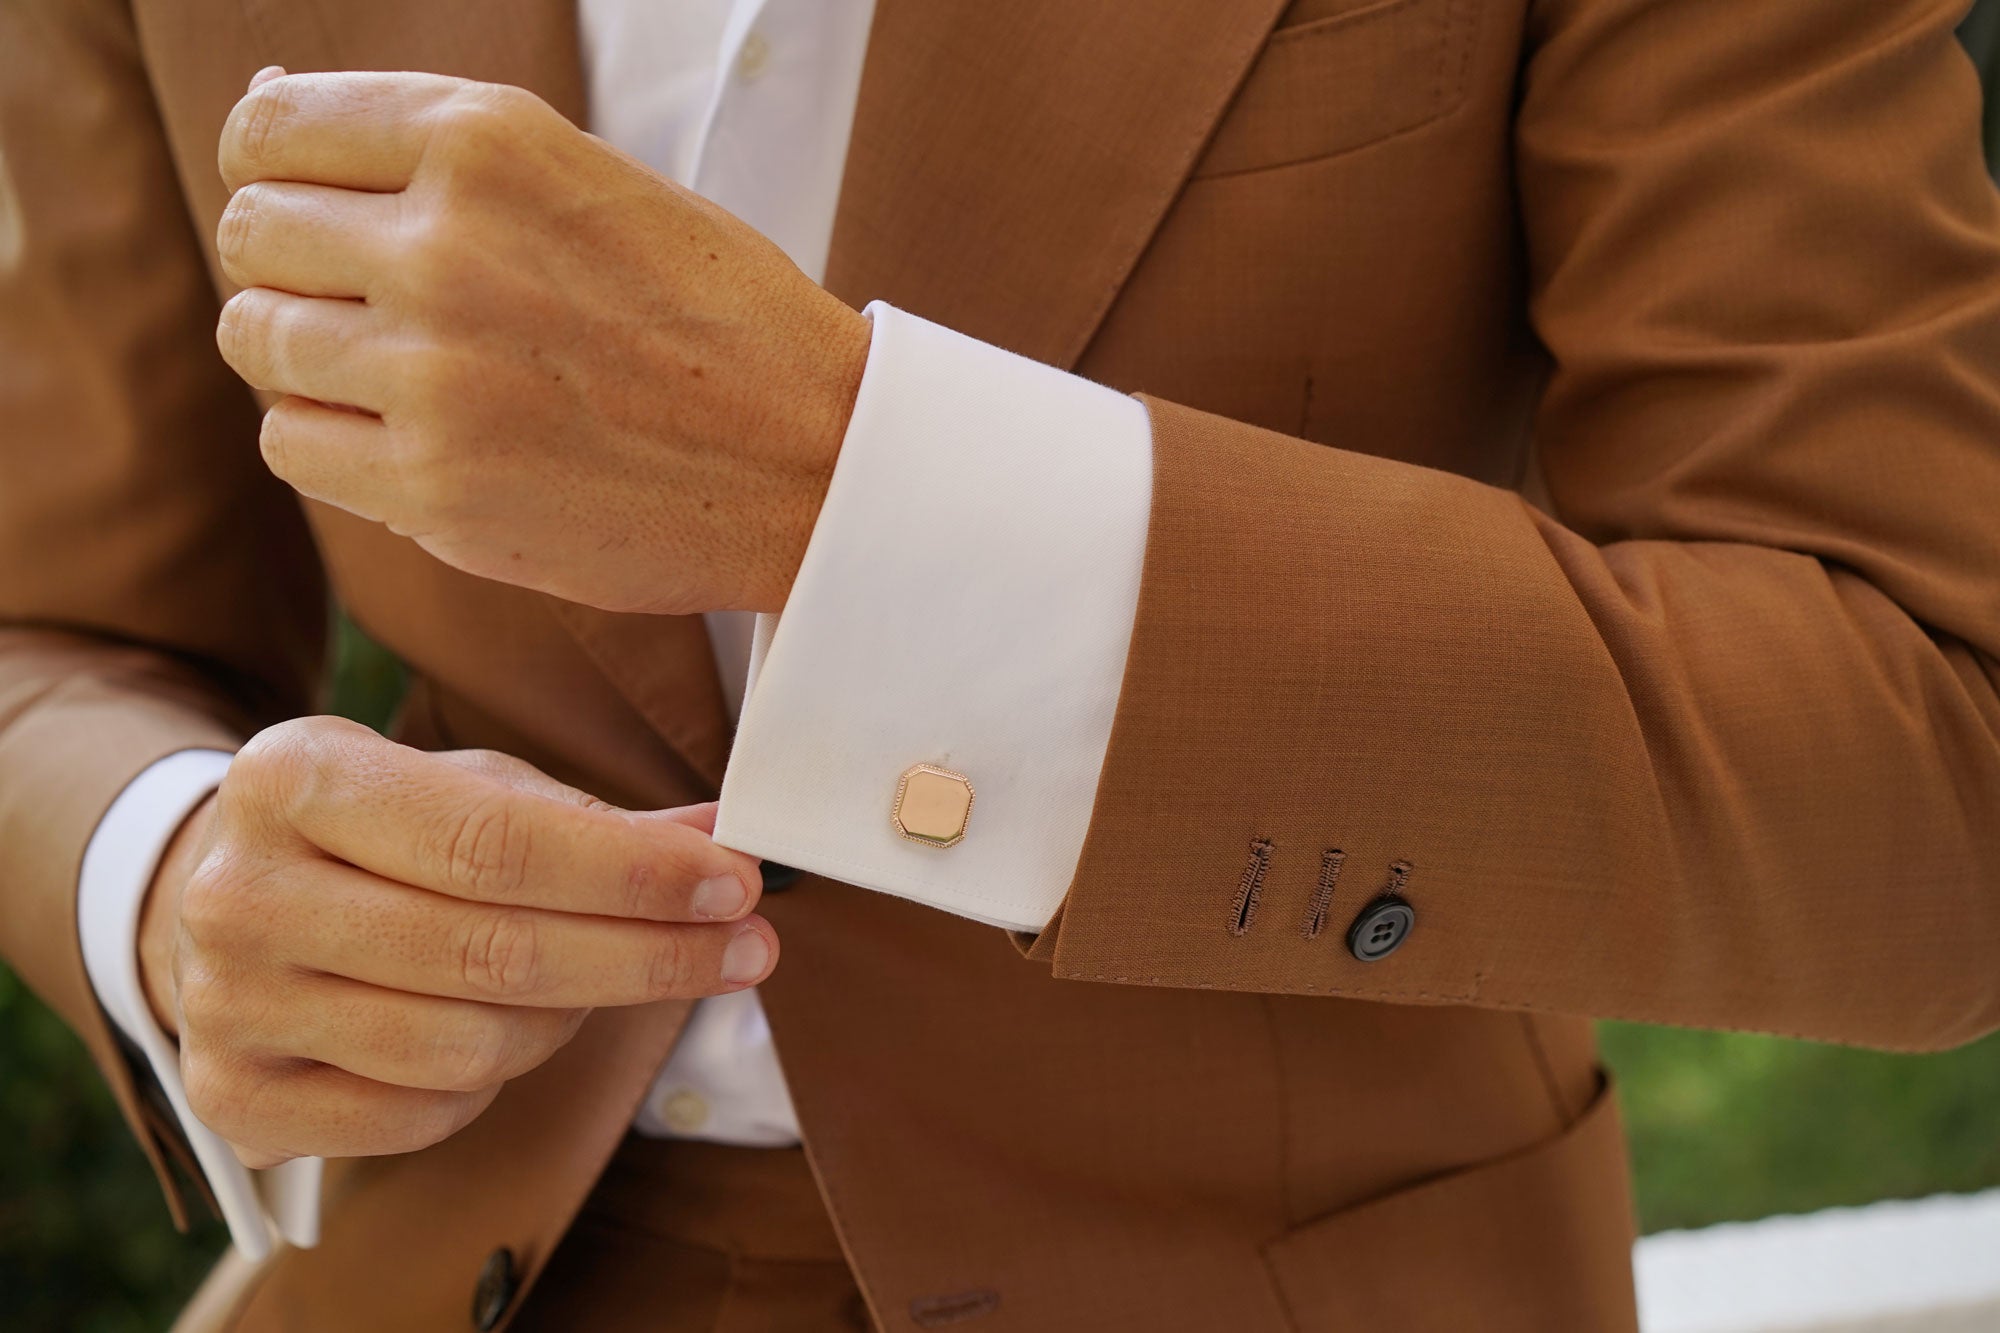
(1723, 1126)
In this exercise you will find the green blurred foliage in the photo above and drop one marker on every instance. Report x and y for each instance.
(1723, 1126)
(366, 681)
(1732, 1127)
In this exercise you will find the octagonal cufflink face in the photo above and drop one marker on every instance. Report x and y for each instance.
(932, 805)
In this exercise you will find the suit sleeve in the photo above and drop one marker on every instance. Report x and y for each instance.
(157, 592)
(1718, 742)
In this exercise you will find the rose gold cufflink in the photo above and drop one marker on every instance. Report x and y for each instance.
(932, 805)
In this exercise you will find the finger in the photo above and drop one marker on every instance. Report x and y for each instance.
(359, 130)
(264, 76)
(410, 1040)
(348, 923)
(331, 454)
(520, 774)
(271, 1111)
(331, 351)
(700, 818)
(524, 775)
(310, 240)
(417, 819)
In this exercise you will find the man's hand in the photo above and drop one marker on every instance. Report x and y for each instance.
(358, 942)
(513, 343)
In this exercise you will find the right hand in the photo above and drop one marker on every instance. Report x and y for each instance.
(358, 943)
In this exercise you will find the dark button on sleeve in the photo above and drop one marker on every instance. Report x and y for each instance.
(494, 1292)
(1381, 929)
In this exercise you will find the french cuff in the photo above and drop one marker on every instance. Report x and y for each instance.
(118, 867)
(929, 714)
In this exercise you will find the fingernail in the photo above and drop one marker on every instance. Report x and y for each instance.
(747, 956)
(720, 898)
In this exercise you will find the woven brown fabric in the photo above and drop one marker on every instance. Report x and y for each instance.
(1706, 733)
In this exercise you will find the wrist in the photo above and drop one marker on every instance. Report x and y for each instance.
(159, 916)
(843, 342)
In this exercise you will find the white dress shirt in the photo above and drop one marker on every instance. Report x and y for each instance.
(966, 598)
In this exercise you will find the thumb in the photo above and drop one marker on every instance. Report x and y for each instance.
(698, 817)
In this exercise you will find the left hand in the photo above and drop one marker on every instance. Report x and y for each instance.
(507, 340)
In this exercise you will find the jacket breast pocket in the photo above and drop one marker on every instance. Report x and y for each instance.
(1539, 1241)
(1344, 81)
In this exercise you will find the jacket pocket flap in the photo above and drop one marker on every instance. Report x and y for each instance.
(1345, 81)
(1536, 1242)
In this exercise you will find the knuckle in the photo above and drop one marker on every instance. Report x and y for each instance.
(441, 1117)
(264, 755)
(217, 1093)
(641, 891)
(427, 1120)
(511, 102)
(498, 765)
(501, 954)
(472, 1053)
(468, 127)
(486, 849)
(210, 908)
(476, 133)
(266, 114)
(285, 767)
(665, 861)
(224, 1011)
(274, 444)
(234, 232)
(243, 329)
(482, 118)
(493, 763)
(202, 995)
(667, 966)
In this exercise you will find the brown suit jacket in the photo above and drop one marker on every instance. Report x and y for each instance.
(1710, 736)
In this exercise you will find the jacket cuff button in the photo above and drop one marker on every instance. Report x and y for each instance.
(494, 1292)
(1381, 928)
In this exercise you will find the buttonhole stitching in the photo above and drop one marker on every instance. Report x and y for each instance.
(1330, 862)
(938, 1311)
(1250, 889)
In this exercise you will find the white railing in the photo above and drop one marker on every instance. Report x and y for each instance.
(1922, 1266)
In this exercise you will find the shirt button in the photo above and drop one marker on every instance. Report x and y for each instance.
(754, 56)
(684, 1112)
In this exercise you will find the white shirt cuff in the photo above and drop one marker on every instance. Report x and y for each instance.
(966, 601)
(118, 867)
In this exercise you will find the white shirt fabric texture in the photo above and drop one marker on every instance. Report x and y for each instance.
(966, 599)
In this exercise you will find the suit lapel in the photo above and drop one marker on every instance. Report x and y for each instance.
(1010, 161)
